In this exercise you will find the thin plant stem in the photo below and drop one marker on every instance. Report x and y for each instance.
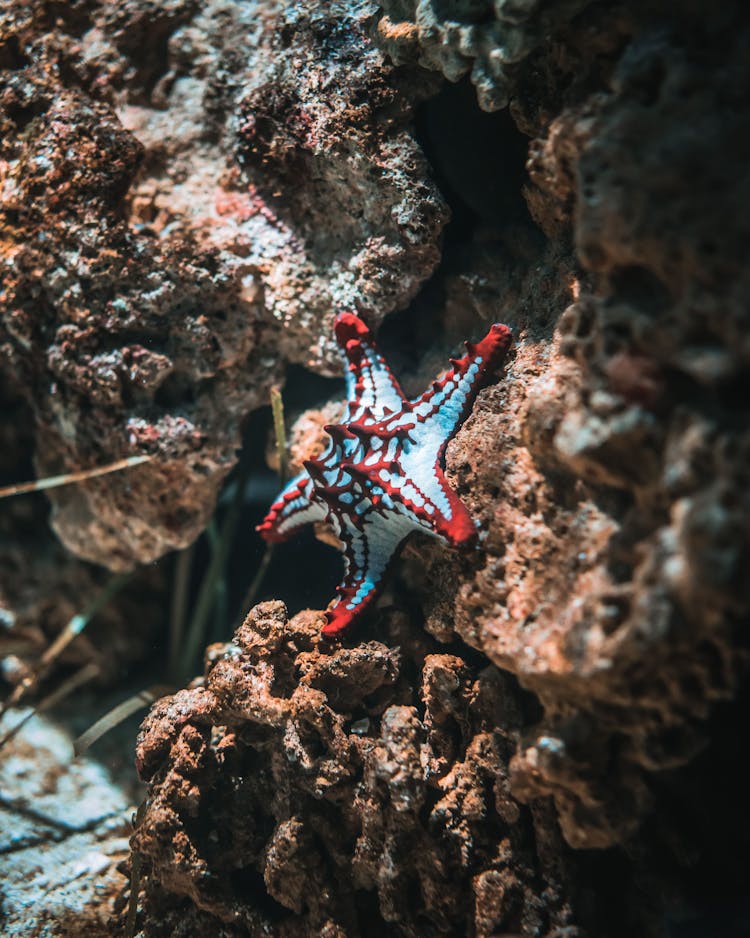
(74, 627)
(220, 598)
(257, 581)
(196, 630)
(82, 676)
(117, 714)
(68, 478)
(279, 430)
(135, 883)
(179, 605)
(135, 879)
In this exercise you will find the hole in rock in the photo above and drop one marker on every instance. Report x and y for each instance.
(12, 55)
(478, 160)
(641, 288)
(369, 919)
(249, 885)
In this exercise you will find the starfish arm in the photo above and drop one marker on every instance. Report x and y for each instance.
(369, 547)
(455, 526)
(381, 476)
(370, 385)
(440, 411)
(295, 507)
(423, 495)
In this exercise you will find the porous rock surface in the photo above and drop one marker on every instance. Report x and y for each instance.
(609, 470)
(449, 770)
(187, 193)
(305, 790)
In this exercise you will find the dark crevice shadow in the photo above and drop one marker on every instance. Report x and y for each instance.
(478, 160)
(303, 571)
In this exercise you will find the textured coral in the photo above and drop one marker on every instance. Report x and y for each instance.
(562, 678)
(304, 792)
(159, 331)
(609, 471)
(112, 331)
(324, 131)
(485, 38)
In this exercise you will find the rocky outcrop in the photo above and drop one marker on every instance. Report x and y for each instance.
(184, 207)
(305, 790)
(188, 194)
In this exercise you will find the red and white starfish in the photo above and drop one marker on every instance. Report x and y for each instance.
(381, 477)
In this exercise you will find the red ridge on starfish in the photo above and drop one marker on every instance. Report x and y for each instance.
(381, 476)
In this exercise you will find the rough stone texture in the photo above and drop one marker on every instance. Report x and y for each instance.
(185, 197)
(483, 38)
(348, 791)
(327, 128)
(609, 472)
(510, 745)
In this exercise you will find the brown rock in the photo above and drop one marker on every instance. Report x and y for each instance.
(181, 214)
(297, 770)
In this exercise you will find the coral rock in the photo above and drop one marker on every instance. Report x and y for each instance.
(298, 771)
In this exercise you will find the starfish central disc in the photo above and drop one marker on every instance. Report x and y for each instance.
(380, 477)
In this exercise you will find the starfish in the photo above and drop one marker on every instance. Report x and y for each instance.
(380, 477)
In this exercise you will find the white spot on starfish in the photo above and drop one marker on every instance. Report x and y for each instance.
(413, 497)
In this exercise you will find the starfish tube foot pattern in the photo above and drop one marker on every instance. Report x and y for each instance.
(380, 477)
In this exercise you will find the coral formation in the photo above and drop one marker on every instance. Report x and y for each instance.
(186, 194)
(347, 791)
(615, 505)
(484, 38)
(325, 135)
(152, 289)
